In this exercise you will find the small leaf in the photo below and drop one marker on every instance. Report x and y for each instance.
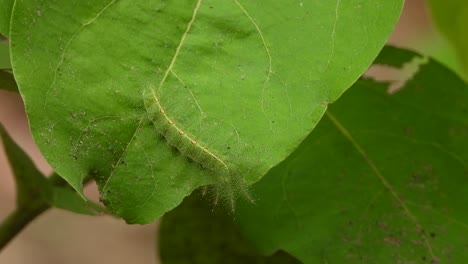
(451, 17)
(68, 199)
(382, 179)
(5, 62)
(7, 81)
(195, 233)
(33, 188)
(6, 7)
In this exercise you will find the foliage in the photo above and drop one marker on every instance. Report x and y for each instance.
(35, 193)
(243, 86)
(195, 216)
(156, 99)
(451, 17)
(381, 178)
(6, 7)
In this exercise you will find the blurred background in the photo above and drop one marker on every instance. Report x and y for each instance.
(63, 237)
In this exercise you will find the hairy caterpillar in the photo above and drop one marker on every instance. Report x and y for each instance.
(228, 183)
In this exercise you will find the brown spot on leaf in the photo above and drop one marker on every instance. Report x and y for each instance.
(408, 131)
(393, 241)
(383, 226)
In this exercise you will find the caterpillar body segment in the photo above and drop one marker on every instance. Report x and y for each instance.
(227, 182)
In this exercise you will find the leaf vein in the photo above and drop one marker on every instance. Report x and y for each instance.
(333, 34)
(124, 151)
(381, 177)
(181, 44)
(270, 60)
(67, 45)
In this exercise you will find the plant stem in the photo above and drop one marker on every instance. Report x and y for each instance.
(19, 219)
(23, 215)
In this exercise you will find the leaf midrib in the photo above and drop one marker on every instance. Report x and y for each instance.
(380, 176)
(168, 70)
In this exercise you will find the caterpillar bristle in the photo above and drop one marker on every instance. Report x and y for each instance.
(227, 183)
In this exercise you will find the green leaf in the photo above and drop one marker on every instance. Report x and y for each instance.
(7, 81)
(31, 185)
(382, 179)
(6, 6)
(245, 81)
(70, 200)
(196, 233)
(4, 56)
(395, 57)
(32, 188)
(451, 17)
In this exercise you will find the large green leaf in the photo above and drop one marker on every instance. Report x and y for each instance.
(195, 233)
(109, 85)
(382, 179)
(451, 17)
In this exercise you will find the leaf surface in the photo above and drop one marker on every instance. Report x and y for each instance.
(195, 233)
(156, 98)
(4, 55)
(382, 178)
(7, 81)
(34, 189)
(6, 7)
(451, 17)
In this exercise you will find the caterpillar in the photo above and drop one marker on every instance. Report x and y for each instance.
(228, 183)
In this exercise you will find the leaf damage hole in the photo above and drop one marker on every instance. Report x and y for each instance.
(397, 77)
